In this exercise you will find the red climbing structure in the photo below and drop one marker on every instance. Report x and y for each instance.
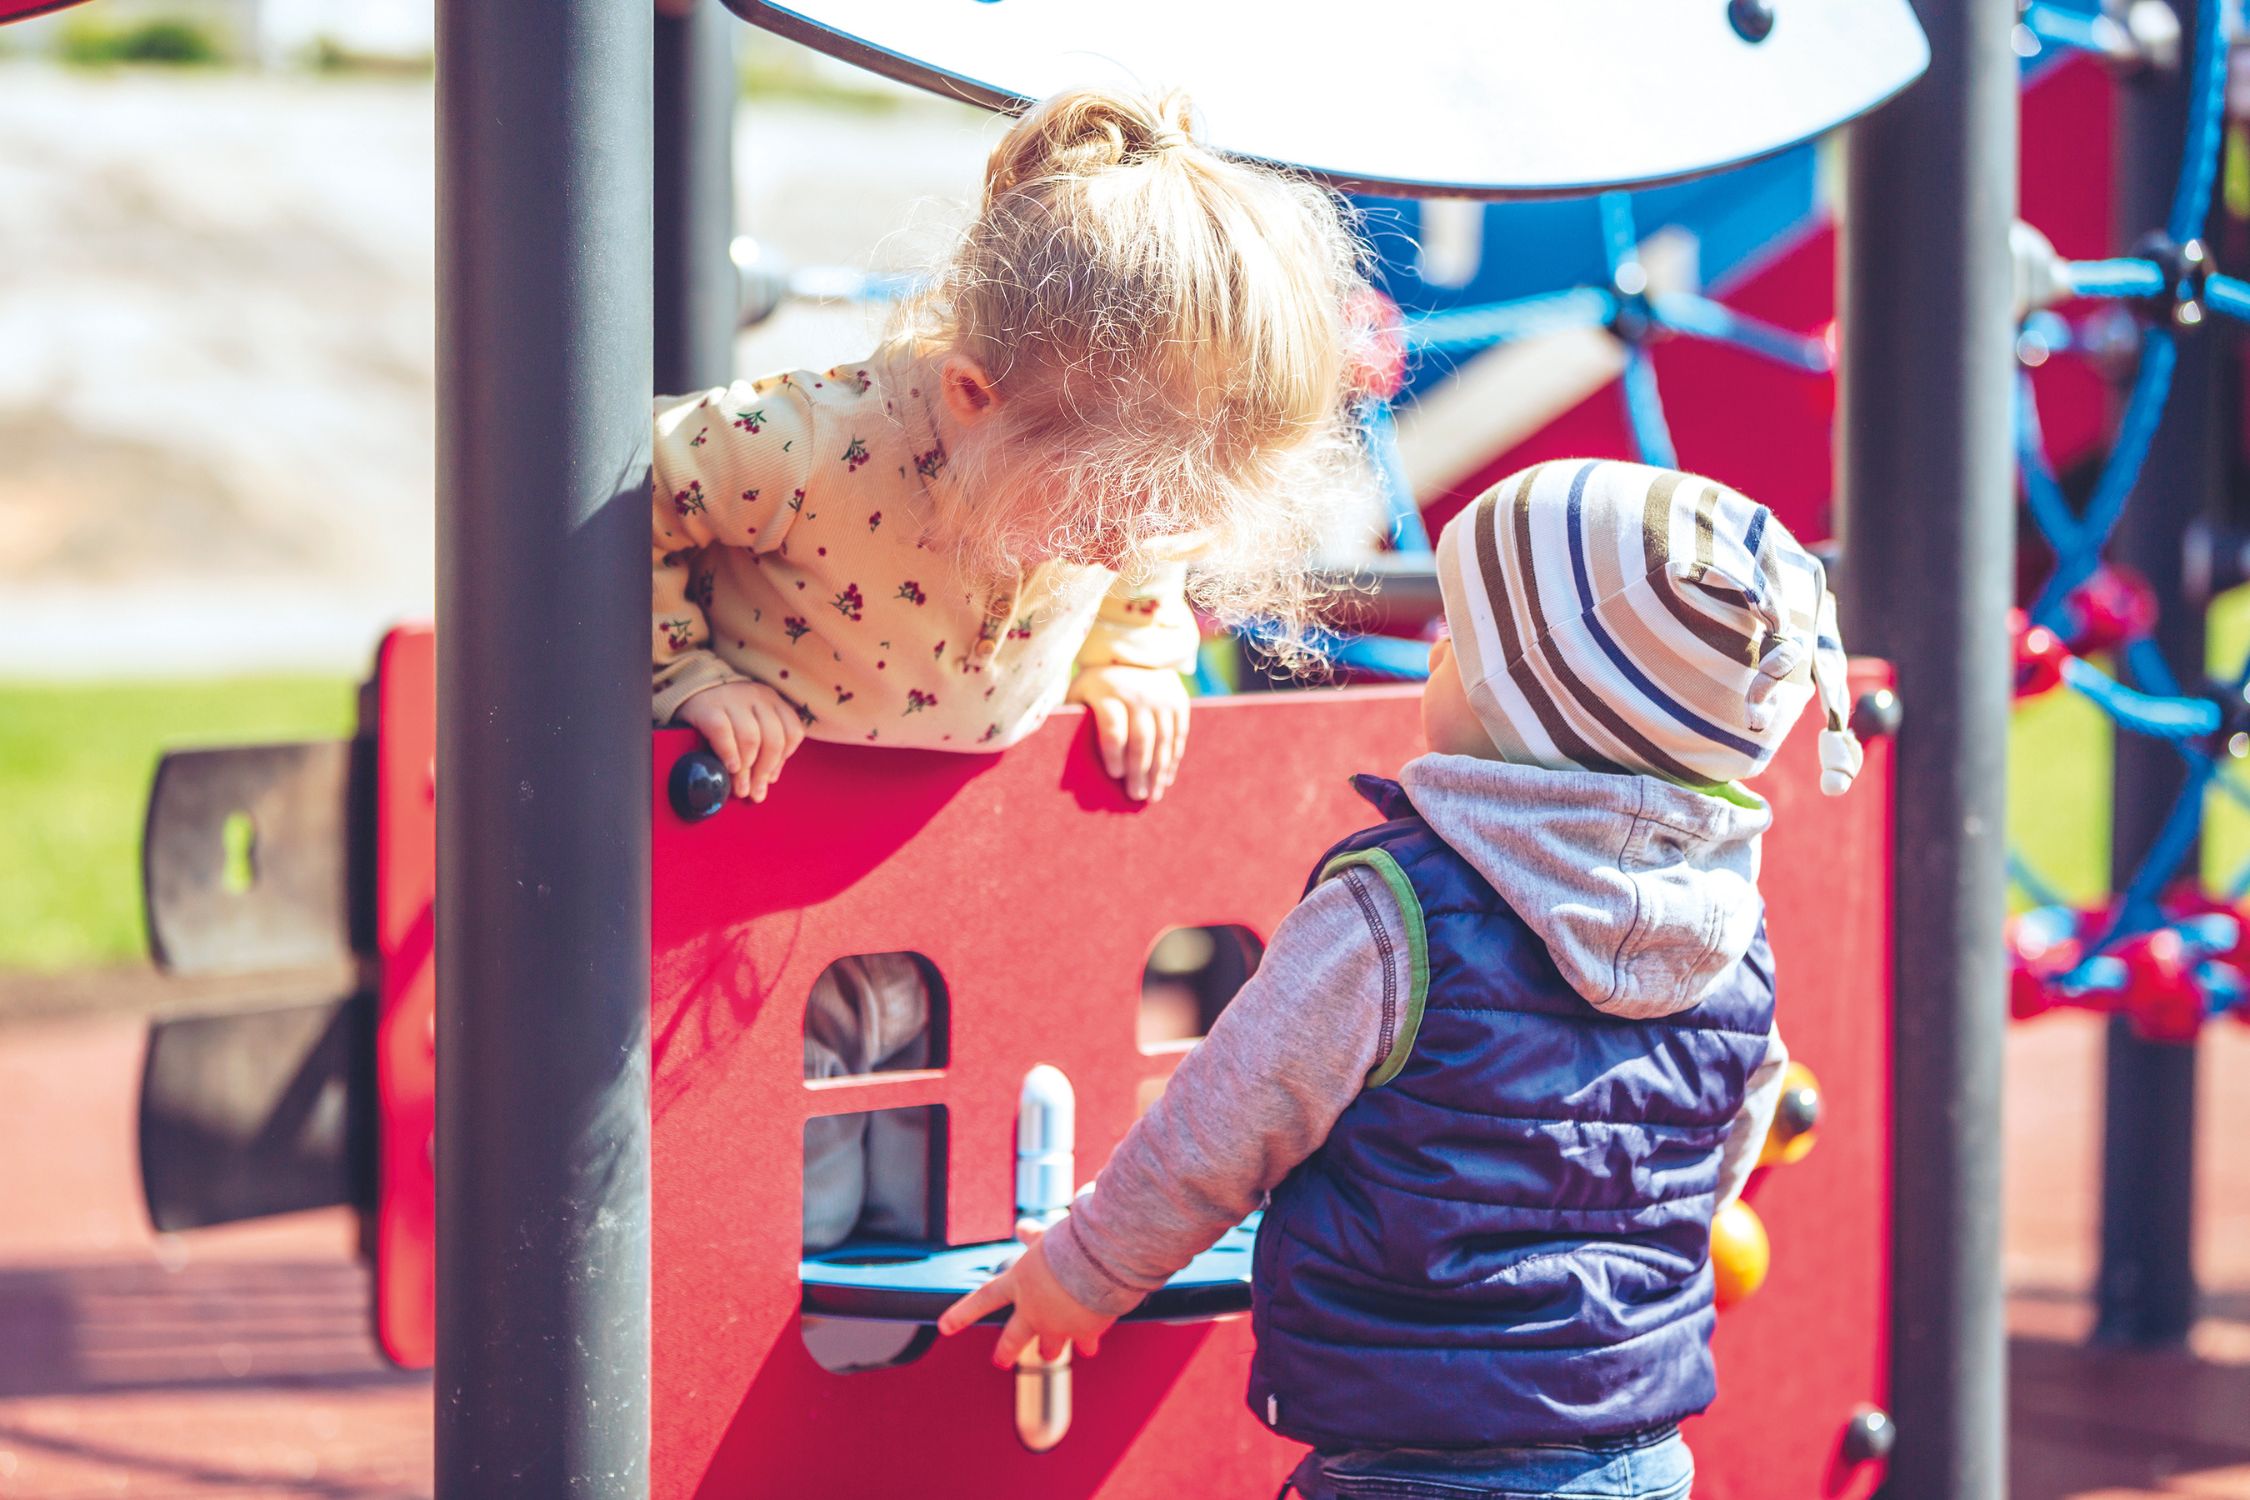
(1035, 891)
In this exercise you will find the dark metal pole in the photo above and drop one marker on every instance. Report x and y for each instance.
(2145, 1293)
(1927, 482)
(544, 268)
(697, 299)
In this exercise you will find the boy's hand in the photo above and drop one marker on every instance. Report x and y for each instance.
(1141, 717)
(750, 727)
(1043, 1310)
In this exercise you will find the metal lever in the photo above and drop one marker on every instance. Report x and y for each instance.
(1046, 1131)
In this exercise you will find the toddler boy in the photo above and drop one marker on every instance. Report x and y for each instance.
(1516, 1046)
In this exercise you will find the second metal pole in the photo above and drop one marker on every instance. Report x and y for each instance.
(1927, 485)
(697, 296)
(2145, 1293)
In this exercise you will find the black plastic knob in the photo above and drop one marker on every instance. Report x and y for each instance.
(1752, 19)
(699, 785)
(1799, 1112)
(1869, 1436)
(1876, 715)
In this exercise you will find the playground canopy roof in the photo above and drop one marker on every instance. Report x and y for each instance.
(1480, 98)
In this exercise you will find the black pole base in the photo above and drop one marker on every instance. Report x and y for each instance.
(2145, 1294)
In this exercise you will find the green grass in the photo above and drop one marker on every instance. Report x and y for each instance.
(75, 766)
(92, 41)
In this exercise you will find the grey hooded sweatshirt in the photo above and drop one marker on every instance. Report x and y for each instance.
(1644, 892)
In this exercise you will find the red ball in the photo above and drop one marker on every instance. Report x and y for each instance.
(2113, 606)
(2163, 999)
(2040, 655)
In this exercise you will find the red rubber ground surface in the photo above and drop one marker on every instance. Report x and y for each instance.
(238, 1363)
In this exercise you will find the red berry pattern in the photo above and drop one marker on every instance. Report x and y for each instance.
(854, 455)
(751, 421)
(912, 593)
(795, 628)
(848, 603)
(689, 502)
(917, 700)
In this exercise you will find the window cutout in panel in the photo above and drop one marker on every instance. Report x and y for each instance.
(875, 1013)
(1191, 974)
(874, 1190)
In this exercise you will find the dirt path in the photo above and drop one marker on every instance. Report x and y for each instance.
(217, 434)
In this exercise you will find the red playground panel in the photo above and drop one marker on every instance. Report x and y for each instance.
(1036, 891)
(405, 697)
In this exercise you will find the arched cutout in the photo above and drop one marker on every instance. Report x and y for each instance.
(1191, 974)
(875, 1013)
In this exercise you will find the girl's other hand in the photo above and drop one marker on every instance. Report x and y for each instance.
(1141, 719)
(1043, 1310)
(750, 727)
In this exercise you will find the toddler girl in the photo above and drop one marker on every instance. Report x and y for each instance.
(1135, 360)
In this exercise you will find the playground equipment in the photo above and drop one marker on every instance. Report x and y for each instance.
(584, 917)
(974, 864)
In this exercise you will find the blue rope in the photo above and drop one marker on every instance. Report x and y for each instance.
(1721, 324)
(1385, 655)
(2227, 296)
(1620, 244)
(2144, 413)
(2114, 278)
(2191, 201)
(1459, 329)
(1644, 410)
(2142, 713)
(2028, 880)
(2151, 672)
(2174, 842)
(2061, 26)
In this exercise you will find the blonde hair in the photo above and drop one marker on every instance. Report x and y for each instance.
(1170, 333)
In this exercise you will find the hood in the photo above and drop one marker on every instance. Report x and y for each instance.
(1644, 892)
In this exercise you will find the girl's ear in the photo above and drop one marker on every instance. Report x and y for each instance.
(969, 393)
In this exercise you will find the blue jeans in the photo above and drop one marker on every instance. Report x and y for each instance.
(1645, 1466)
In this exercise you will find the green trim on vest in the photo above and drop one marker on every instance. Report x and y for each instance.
(1417, 950)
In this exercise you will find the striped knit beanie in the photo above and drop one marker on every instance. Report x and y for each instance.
(1640, 620)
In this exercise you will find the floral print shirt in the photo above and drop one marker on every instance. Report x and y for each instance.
(787, 549)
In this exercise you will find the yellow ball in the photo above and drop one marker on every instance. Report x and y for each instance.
(1740, 1252)
(1795, 1123)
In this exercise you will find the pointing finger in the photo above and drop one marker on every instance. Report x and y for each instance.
(992, 1296)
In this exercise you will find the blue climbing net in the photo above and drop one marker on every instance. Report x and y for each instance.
(2175, 291)
(2172, 289)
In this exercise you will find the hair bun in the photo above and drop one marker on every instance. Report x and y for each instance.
(1087, 131)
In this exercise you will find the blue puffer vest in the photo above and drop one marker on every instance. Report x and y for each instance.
(1505, 1238)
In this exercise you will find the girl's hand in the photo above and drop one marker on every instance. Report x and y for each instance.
(750, 727)
(1043, 1310)
(1141, 719)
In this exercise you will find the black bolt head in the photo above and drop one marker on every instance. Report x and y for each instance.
(698, 786)
(1877, 714)
(1869, 1436)
(1799, 1111)
(1752, 19)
